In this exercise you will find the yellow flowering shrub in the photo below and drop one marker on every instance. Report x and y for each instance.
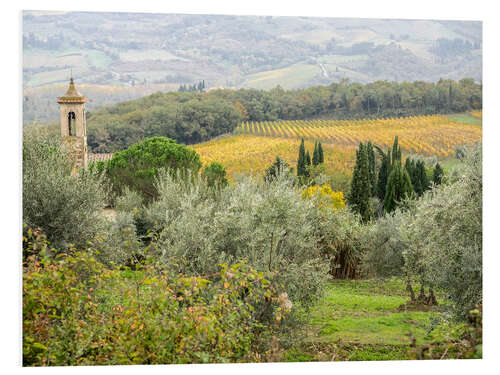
(335, 198)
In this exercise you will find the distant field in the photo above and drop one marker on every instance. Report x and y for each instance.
(288, 78)
(152, 54)
(426, 135)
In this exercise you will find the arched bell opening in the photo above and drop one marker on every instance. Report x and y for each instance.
(71, 124)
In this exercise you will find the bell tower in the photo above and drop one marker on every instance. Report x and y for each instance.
(73, 125)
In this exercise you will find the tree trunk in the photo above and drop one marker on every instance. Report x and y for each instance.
(432, 298)
(410, 289)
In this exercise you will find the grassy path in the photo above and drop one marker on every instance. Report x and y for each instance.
(364, 320)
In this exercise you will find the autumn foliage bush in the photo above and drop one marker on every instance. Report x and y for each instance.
(76, 311)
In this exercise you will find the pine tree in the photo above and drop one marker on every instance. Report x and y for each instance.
(359, 197)
(320, 153)
(315, 159)
(398, 187)
(438, 174)
(301, 161)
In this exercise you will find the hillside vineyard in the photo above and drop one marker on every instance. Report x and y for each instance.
(428, 135)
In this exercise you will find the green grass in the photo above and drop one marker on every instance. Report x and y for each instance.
(366, 320)
(465, 118)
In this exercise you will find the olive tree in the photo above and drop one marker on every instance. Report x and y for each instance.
(445, 235)
(268, 225)
(65, 206)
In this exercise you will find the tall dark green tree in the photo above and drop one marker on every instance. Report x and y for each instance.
(359, 196)
(413, 172)
(398, 187)
(301, 161)
(308, 164)
(321, 156)
(396, 152)
(438, 174)
(371, 168)
(422, 177)
(315, 159)
(383, 172)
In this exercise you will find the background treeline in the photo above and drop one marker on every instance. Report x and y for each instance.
(190, 117)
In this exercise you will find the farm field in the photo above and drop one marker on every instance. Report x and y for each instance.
(367, 320)
(255, 145)
(245, 153)
(427, 135)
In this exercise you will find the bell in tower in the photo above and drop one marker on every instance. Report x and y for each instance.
(73, 125)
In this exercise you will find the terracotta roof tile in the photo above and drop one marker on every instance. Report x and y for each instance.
(91, 158)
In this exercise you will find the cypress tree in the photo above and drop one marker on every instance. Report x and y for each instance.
(438, 174)
(301, 161)
(396, 152)
(359, 196)
(412, 170)
(320, 153)
(315, 159)
(383, 174)
(422, 177)
(308, 164)
(371, 168)
(398, 187)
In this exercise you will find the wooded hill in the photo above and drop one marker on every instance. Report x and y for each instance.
(191, 117)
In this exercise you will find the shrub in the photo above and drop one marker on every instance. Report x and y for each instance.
(66, 207)
(78, 312)
(269, 225)
(326, 196)
(385, 244)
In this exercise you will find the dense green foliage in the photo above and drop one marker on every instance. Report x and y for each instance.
(137, 167)
(361, 188)
(437, 176)
(185, 117)
(445, 236)
(196, 117)
(269, 225)
(398, 188)
(436, 240)
(64, 205)
(301, 160)
(214, 175)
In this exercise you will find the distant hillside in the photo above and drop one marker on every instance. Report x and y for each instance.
(159, 52)
(190, 117)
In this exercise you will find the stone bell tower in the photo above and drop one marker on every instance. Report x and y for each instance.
(73, 125)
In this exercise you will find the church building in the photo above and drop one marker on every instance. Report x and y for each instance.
(74, 127)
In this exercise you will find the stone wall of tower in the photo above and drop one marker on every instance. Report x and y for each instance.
(76, 145)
